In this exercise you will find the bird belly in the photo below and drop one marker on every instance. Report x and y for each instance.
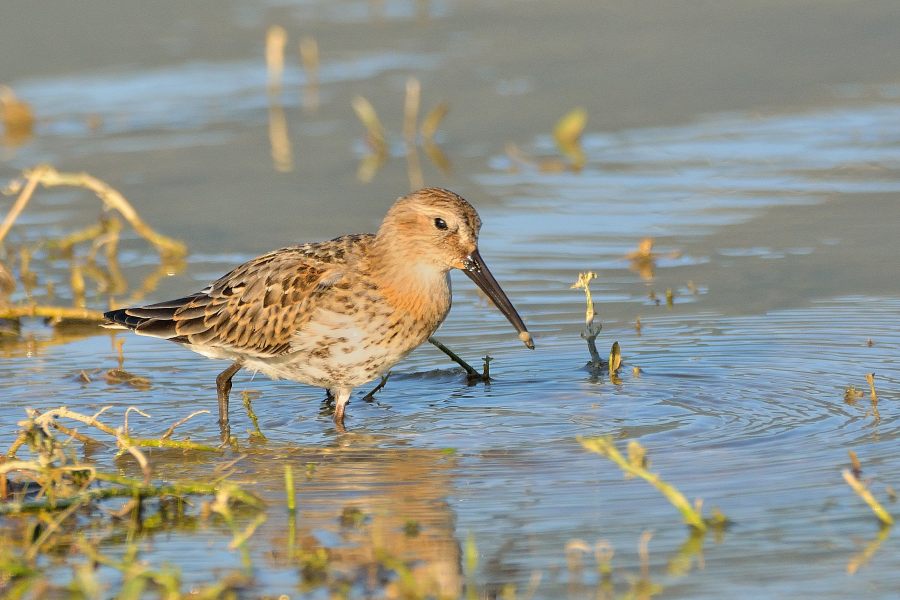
(336, 349)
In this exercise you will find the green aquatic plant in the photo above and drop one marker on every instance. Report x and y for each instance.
(863, 492)
(56, 505)
(247, 396)
(851, 395)
(636, 465)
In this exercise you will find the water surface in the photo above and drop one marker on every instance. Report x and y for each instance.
(764, 161)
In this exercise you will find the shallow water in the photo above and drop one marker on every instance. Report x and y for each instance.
(770, 187)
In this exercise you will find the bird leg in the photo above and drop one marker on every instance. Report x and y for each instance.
(341, 398)
(471, 374)
(223, 388)
(370, 397)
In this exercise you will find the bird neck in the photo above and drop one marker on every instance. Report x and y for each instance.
(410, 283)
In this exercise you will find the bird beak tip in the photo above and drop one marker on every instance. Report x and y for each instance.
(527, 340)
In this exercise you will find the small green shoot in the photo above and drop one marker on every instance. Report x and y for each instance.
(615, 362)
(289, 490)
(247, 397)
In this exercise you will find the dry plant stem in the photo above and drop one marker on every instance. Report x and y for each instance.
(604, 446)
(64, 413)
(125, 443)
(55, 313)
(470, 372)
(172, 427)
(863, 492)
(20, 441)
(870, 379)
(33, 178)
(111, 198)
(130, 409)
(84, 439)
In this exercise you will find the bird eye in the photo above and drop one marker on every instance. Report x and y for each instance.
(440, 223)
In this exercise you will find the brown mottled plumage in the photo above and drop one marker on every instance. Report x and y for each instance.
(332, 314)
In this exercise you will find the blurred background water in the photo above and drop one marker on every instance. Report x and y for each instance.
(757, 144)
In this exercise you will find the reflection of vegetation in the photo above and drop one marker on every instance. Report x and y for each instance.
(102, 236)
(309, 57)
(643, 260)
(413, 135)
(853, 478)
(567, 135)
(279, 139)
(16, 117)
(392, 531)
(642, 585)
(865, 555)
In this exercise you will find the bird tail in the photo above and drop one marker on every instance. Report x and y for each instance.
(156, 320)
(119, 319)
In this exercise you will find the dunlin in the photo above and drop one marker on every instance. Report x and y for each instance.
(333, 314)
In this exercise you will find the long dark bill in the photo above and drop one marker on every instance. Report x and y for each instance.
(479, 273)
